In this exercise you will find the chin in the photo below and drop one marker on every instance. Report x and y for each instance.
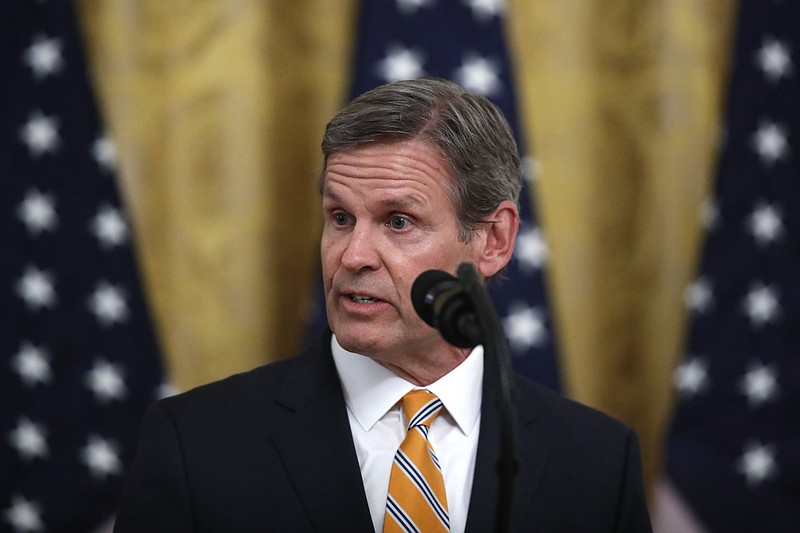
(359, 340)
(370, 349)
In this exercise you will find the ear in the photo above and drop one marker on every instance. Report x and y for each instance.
(498, 242)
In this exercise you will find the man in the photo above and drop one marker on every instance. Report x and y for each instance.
(418, 175)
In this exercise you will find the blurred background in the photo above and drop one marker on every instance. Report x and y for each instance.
(217, 108)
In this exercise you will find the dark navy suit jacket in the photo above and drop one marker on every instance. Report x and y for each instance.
(271, 450)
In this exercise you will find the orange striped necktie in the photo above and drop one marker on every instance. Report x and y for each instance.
(416, 500)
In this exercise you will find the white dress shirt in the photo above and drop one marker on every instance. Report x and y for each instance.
(372, 391)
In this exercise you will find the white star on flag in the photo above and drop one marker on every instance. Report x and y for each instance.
(531, 169)
(757, 463)
(36, 288)
(531, 250)
(761, 304)
(65, 231)
(726, 443)
(691, 376)
(479, 75)
(760, 384)
(408, 7)
(401, 63)
(110, 227)
(483, 10)
(32, 363)
(24, 515)
(709, 215)
(699, 296)
(44, 56)
(765, 223)
(105, 381)
(104, 151)
(102, 457)
(29, 439)
(770, 142)
(107, 302)
(40, 133)
(524, 327)
(773, 58)
(165, 390)
(37, 212)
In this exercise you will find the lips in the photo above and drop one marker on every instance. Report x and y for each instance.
(361, 299)
(360, 296)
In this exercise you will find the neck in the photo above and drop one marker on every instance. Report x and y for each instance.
(424, 370)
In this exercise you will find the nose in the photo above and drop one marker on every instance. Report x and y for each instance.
(362, 252)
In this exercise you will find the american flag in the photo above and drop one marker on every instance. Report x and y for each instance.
(734, 445)
(79, 357)
(464, 41)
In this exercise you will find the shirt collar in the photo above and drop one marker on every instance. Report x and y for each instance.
(370, 389)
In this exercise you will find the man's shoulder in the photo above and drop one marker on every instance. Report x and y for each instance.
(569, 418)
(262, 379)
(590, 467)
(253, 389)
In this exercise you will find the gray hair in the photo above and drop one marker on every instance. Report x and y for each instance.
(467, 130)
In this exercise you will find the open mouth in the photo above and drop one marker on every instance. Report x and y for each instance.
(363, 299)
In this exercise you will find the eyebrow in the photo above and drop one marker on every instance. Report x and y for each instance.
(327, 193)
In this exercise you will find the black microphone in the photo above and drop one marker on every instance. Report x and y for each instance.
(460, 308)
(442, 301)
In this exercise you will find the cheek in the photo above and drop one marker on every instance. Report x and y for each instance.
(329, 257)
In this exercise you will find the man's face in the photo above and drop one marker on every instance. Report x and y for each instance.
(387, 218)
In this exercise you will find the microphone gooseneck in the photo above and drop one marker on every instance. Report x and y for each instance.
(460, 309)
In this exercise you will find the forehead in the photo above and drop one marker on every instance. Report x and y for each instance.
(412, 167)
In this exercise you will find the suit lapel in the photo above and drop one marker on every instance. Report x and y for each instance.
(316, 447)
(317, 450)
(533, 453)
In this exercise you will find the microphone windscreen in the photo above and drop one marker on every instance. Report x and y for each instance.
(426, 287)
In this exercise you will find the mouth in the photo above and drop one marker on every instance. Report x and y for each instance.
(362, 299)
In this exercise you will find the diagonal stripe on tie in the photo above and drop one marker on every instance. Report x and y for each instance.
(401, 518)
(421, 484)
(416, 499)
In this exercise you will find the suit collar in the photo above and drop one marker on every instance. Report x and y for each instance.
(370, 389)
(329, 484)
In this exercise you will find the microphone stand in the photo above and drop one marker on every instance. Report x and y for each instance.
(496, 348)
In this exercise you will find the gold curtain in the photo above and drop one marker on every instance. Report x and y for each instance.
(217, 108)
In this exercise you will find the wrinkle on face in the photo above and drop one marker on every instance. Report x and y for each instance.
(364, 190)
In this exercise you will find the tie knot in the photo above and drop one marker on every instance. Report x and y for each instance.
(421, 408)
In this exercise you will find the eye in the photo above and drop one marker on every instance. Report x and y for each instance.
(398, 222)
(340, 219)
